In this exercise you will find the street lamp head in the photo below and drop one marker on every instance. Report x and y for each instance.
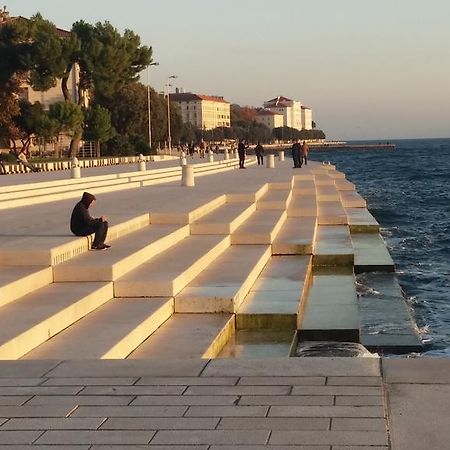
(154, 64)
(173, 76)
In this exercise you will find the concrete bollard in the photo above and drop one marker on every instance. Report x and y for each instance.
(187, 176)
(281, 155)
(226, 156)
(141, 163)
(75, 171)
(211, 156)
(270, 164)
(183, 161)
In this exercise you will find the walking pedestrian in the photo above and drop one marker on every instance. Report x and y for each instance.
(305, 151)
(242, 146)
(296, 151)
(22, 158)
(82, 224)
(259, 152)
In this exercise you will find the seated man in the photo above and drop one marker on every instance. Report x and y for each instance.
(22, 158)
(82, 224)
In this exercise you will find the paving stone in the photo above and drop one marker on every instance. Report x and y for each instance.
(358, 447)
(293, 367)
(357, 400)
(125, 368)
(337, 390)
(13, 400)
(96, 437)
(237, 390)
(66, 423)
(269, 447)
(40, 390)
(128, 411)
(26, 369)
(343, 424)
(153, 447)
(417, 370)
(114, 381)
(282, 381)
(186, 381)
(18, 437)
(328, 437)
(34, 411)
(170, 423)
(206, 400)
(227, 411)
(326, 411)
(353, 381)
(45, 447)
(300, 400)
(20, 381)
(133, 390)
(91, 400)
(211, 437)
(267, 423)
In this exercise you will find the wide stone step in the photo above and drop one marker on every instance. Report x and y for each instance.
(260, 228)
(247, 194)
(126, 254)
(330, 312)
(275, 199)
(296, 237)
(224, 284)
(351, 199)
(166, 274)
(344, 185)
(321, 178)
(46, 312)
(371, 253)
(188, 336)
(224, 220)
(361, 221)
(327, 193)
(18, 281)
(303, 206)
(112, 331)
(273, 302)
(333, 246)
(331, 213)
(395, 332)
(304, 187)
(48, 249)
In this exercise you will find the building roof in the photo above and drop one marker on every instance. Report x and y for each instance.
(267, 112)
(190, 97)
(277, 100)
(305, 107)
(5, 19)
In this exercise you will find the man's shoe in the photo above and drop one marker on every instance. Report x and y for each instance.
(100, 247)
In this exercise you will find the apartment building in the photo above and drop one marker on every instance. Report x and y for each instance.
(269, 118)
(295, 115)
(203, 111)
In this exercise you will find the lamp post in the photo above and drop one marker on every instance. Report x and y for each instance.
(169, 137)
(148, 104)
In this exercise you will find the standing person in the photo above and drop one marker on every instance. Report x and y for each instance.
(241, 151)
(296, 151)
(82, 224)
(2, 164)
(191, 149)
(202, 147)
(259, 152)
(305, 151)
(23, 159)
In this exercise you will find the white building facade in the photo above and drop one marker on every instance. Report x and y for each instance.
(295, 115)
(269, 118)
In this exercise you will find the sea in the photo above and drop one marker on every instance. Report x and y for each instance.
(407, 191)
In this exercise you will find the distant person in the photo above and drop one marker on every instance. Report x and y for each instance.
(82, 224)
(2, 164)
(296, 151)
(22, 158)
(191, 147)
(259, 152)
(202, 147)
(304, 154)
(242, 146)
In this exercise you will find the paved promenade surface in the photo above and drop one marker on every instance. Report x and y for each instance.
(202, 404)
(224, 404)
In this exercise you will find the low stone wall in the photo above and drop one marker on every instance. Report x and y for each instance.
(85, 163)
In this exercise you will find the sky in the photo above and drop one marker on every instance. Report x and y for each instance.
(368, 69)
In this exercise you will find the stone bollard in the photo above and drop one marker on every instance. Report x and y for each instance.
(281, 155)
(187, 176)
(141, 163)
(226, 156)
(183, 161)
(75, 171)
(270, 164)
(211, 156)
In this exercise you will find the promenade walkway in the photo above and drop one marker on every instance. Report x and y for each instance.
(124, 348)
